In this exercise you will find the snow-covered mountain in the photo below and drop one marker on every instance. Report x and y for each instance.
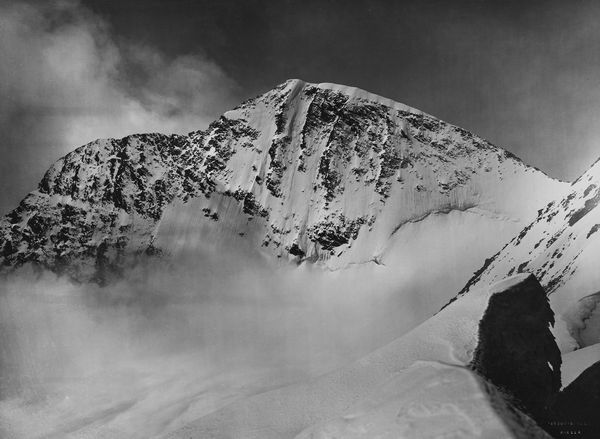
(308, 172)
(380, 195)
(561, 247)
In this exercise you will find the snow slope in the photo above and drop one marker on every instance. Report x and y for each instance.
(428, 400)
(577, 361)
(561, 247)
(450, 338)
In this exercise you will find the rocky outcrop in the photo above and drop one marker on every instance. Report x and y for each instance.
(518, 355)
(516, 350)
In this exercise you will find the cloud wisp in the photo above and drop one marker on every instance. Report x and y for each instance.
(174, 341)
(65, 80)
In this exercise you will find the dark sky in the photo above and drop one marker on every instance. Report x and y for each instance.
(525, 75)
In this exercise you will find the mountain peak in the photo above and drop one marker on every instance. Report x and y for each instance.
(355, 93)
(311, 172)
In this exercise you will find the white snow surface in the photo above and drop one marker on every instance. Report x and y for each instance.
(429, 400)
(508, 283)
(403, 389)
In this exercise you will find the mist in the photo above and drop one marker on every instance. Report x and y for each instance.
(180, 338)
(66, 80)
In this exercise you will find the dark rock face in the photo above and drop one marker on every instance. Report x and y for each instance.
(590, 204)
(336, 232)
(516, 349)
(93, 204)
(576, 409)
(517, 354)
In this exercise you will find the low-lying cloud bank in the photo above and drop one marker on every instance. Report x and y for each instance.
(176, 340)
(66, 80)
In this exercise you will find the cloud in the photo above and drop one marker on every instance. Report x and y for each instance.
(175, 340)
(66, 80)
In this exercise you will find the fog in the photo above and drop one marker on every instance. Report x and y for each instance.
(179, 339)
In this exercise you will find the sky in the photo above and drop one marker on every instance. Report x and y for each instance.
(524, 75)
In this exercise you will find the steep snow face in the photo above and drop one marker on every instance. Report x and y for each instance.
(311, 172)
(335, 172)
(562, 248)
